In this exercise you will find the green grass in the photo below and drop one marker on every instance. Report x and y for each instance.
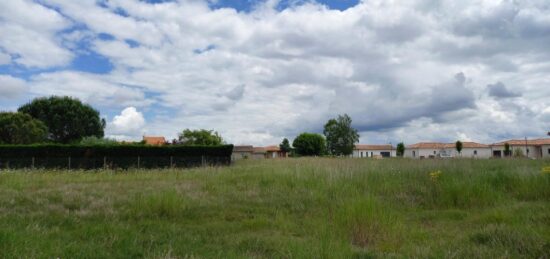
(294, 208)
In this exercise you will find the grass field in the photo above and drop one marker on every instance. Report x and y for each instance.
(293, 208)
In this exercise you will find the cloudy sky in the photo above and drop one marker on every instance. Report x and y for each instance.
(258, 71)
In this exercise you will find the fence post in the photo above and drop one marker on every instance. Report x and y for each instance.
(32, 165)
(105, 163)
(202, 161)
(69, 163)
(138, 161)
(171, 162)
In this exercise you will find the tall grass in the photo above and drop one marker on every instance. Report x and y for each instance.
(294, 208)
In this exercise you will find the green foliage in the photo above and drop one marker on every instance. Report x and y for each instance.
(68, 119)
(518, 152)
(200, 138)
(285, 146)
(458, 146)
(309, 144)
(340, 136)
(400, 149)
(21, 128)
(507, 150)
(93, 140)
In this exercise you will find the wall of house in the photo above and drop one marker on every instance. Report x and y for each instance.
(422, 152)
(371, 153)
(469, 153)
(545, 151)
(534, 151)
(240, 155)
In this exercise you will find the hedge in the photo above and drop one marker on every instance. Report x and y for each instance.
(113, 156)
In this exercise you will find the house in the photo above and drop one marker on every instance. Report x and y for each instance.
(535, 148)
(242, 152)
(446, 150)
(154, 141)
(361, 150)
(269, 152)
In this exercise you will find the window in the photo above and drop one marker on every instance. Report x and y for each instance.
(414, 153)
(361, 153)
(549, 151)
(527, 151)
(371, 154)
(434, 152)
(475, 152)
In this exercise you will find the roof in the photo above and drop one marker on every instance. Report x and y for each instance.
(438, 145)
(154, 140)
(521, 142)
(259, 150)
(272, 148)
(243, 149)
(373, 147)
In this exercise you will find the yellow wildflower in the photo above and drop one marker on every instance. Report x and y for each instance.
(435, 175)
(546, 170)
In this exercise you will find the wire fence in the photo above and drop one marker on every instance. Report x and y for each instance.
(124, 162)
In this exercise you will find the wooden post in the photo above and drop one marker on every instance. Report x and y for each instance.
(32, 165)
(105, 163)
(171, 162)
(69, 163)
(138, 161)
(202, 161)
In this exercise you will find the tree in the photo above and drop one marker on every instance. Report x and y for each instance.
(518, 152)
(340, 136)
(21, 128)
(68, 119)
(200, 137)
(458, 146)
(309, 144)
(506, 149)
(400, 149)
(285, 146)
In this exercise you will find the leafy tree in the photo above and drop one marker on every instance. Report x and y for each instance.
(340, 136)
(285, 146)
(93, 140)
(21, 128)
(458, 146)
(400, 149)
(68, 119)
(200, 137)
(309, 144)
(507, 149)
(518, 152)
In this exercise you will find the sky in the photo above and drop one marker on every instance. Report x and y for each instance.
(260, 71)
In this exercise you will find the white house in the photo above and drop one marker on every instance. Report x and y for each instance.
(536, 148)
(373, 151)
(444, 150)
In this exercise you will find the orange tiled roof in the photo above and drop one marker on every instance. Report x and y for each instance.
(243, 149)
(438, 145)
(521, 142)
(373, 147)
(157, 141)
(272, 148)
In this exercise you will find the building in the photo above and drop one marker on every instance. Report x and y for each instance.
(361, 150)
(154, 141)
(536, 148)
(269, 152)
(447, 150)
(242, 152)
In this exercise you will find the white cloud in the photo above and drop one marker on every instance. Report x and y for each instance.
(414, 70)
(128, 124)
(11, 87)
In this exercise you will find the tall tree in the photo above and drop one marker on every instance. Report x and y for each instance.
(309, 144)
(200, 137)
(507, 150)
(340, 136)
(21, 128)
(68, 119)
(458, 146)
(400, 149)
(285, 146)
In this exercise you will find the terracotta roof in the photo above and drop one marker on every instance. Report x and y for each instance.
(259, 150)
(243, 149)
(373, 147)
(157, 141)
(438, 145)
(272, 148)
(521, 142)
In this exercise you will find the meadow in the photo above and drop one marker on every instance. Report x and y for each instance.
(289, 208)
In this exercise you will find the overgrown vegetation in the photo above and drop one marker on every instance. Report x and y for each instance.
(290, 208)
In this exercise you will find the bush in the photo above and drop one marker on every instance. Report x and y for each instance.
(123, 156)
